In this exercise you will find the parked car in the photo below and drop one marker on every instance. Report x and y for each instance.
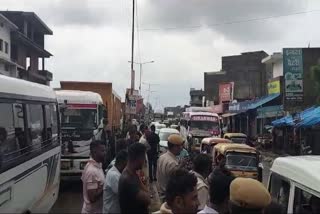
(163, 135)
(159, 126)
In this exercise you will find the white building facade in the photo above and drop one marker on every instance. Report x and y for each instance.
(276, 61)
(7, 67)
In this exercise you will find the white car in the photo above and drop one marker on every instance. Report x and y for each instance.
(159, 126)
(163, 135)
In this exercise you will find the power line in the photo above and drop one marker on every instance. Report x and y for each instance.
(230, 22)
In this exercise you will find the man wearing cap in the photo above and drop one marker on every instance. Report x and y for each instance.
(248, 196)
(168, 162)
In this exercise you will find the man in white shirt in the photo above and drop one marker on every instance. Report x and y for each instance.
(110, 189)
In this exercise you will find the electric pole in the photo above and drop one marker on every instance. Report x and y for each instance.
(132, 48)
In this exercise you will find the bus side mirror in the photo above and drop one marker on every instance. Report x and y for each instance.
(105, 113)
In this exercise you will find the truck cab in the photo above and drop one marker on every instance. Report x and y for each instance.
(82, 117)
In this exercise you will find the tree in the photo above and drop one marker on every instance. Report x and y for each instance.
(149, 106)
(315, 76)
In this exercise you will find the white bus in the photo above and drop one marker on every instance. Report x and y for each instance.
(82, 114)
(29, 147)
(198, 125)
(294, 183)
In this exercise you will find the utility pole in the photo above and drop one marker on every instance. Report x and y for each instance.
(140, 64)
(132, 48)
(149, 90)
(148, 96)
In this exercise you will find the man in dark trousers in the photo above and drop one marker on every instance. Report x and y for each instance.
(153, 152)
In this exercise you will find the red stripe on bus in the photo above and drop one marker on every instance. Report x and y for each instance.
(82, 106)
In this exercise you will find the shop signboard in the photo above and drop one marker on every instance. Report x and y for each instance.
(139, 107)
(293, 76)
(274, 87)
(270, 111)
(239, 107)
(226, 92)
(131, 104)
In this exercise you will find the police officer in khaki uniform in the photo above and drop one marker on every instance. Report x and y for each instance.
(248, 196)
(168, 162)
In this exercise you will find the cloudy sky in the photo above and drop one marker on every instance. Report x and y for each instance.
(185, 38)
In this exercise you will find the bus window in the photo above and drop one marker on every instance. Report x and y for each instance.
(19, 120)
(280, 190)
(51, 123)
(8, 144)
(35, 125)
(305, 202)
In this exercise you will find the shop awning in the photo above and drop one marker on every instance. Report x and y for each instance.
(228, 114)
(309, 118)
(306, 118)
(285, 121)
(263, 100)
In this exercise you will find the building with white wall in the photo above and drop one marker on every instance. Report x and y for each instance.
(7, 67)
(275, 62)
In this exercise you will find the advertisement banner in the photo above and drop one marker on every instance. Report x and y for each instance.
(226, 92)
(131, 104)
(274, 87)
(293, 75)
(139, 105)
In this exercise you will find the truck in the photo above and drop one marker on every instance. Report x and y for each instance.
(82, 117)
(110, 99)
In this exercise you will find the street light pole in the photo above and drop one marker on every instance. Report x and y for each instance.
(140, 78)
(140, 64)
(132, 48)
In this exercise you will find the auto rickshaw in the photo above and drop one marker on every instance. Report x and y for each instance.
(237, 137)
(240, 159)
(208, 143)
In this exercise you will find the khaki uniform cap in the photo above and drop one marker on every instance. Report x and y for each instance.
(175, 139)
(249, 193)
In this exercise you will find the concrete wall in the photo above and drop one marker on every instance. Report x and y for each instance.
(5, 36)
(277, 69)
(246, 71)
(111, 101)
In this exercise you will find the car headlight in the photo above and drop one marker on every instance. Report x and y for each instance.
(65, 165)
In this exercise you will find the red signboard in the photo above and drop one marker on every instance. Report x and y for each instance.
(81, 106)
(139, 105)
(204, 118)
(226, 92)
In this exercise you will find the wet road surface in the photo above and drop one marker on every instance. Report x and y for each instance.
(70, 198)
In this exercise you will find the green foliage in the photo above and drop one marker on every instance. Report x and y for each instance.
(315, 76)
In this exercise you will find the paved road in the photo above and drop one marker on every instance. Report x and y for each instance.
(70, 197)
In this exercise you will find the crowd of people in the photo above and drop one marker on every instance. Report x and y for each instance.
(126, 185)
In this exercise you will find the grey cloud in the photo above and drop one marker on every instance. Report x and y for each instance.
(183, 14)
(74, 12)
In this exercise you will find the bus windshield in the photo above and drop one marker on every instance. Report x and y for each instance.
(79, 118)
(204, 125)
